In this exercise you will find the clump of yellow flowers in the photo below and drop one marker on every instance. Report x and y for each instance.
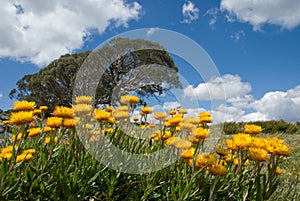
(258, 148)
(7, 153)
(186, 134)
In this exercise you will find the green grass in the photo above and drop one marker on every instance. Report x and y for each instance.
(69, 172)
(68, 169)
(289, 187)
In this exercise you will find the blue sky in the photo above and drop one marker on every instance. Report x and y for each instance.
(255, 45)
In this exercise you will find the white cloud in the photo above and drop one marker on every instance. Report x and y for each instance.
(229, 113)
(229, 18)
(241, 101)
(294, 94)
(284, 13)
(235, 114)
(190, 12)
(194, 112)
(280, 105)
(1, 95)
(254, 116)
(40, 31)
(238, 35)
(213, 12)
(241, 105)
(171, 105)
(274, 105)
(229, 86)
(152, 30)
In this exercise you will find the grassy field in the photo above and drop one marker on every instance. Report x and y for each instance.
(289, 188)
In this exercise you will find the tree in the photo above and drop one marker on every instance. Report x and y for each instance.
(119, 61)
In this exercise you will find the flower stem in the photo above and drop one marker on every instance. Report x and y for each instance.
(211, 193)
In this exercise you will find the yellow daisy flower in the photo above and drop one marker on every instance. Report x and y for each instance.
(258, 154)
(48, 140)
(146, 110)
(217, 170)
(161, 116)
(252, 129)
(24, 157)
(69, 123)
(54, 122)
(21, 117)
(83, 100)
(129, 99)
(32, 132)
(204, 117)
(61, 111)
(24, 105)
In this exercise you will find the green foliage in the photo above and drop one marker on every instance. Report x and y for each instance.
(230, 128)
(51, 85)
(67, 171)
(271, 127)
(66, 167)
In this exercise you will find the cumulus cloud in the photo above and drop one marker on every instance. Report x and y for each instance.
(284, 13)
(241, 105)
(40, 31)
(241, 101)
(152, 30)
(190, 12)
(280, 105)
(228, 113)
(236, 114)
(253, 116)
(171, 105)
(1, 95)
(274, 105)
(229, 86)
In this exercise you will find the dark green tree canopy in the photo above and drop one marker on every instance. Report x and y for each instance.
(116, 61)
(53, 84)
